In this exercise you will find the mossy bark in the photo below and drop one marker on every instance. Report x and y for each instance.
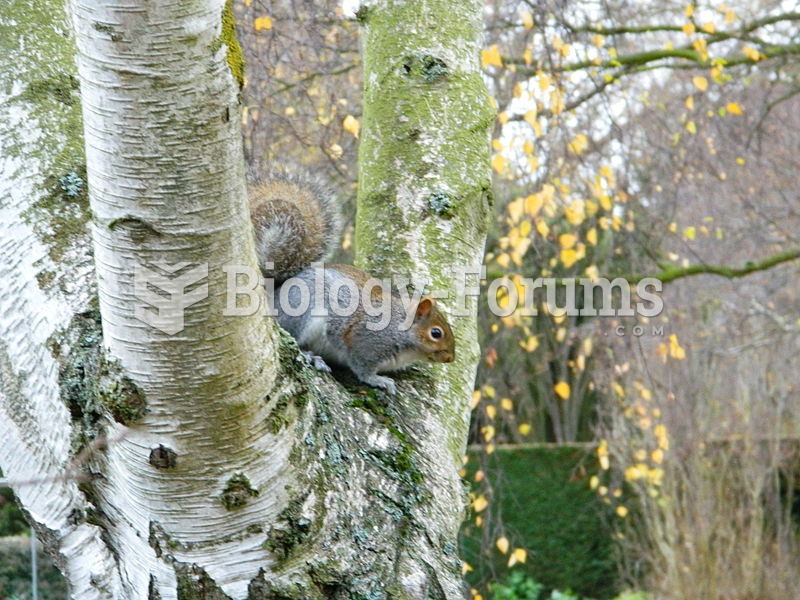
(423, 203)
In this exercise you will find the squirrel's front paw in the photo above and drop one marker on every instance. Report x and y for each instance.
(317, 362)
(381, 382)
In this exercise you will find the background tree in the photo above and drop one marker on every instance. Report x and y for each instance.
(211, 461)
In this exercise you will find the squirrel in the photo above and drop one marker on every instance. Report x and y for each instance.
(296, 225)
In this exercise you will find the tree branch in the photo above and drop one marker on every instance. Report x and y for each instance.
(671, 273)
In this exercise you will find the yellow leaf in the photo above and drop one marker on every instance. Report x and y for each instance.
(689, 29)
(489, 391)
(531, 344)
(502, 544)
(476, 398)
(569, 257)
(700, 82)
(465, 568)
(701, 46)
(733, 108)
(530, 117)
(479, 504)
(591, 236)
(533, 204)
(691, 127)
(528, 147)
(567, 240)
(502, 117)
(675, 349)
(544, 81)
(262, 23)
(689, 102)
(527, 20)
(543, 228)
(657, 456)
(562, 390)
(575, 212)
(709, 27)
(592, 272)
(689, 11)
(518, 556)
(351, 125)
(730, 16)
(488, 433)
(525, 229)
(515, 209)
(579, 144)
(527, 56)
(491, 57)
(594, 481)
(622, 511)
(524, 428)
(506, 404)
(491, 411)
(751, 53)
(499, 163)
(689, 233)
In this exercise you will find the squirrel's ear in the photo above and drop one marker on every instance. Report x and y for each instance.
(425, 307)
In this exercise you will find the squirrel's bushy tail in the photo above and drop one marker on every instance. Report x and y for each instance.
(296, 221)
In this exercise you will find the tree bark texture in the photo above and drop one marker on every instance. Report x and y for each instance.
(208, 462)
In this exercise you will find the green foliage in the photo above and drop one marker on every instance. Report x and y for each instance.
(519, 587)
(11, 520)
(15, 572)
(542, 497)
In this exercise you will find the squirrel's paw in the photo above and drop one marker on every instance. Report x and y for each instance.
(317, 362)
(381, 382)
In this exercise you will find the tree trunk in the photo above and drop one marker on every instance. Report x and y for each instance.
(191, 454)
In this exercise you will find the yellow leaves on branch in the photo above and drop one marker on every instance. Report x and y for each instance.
(502, 544)
(578, 144)
(499, 163)
(603, 455)
(491, 57)
(480, 503)
(262, 23)
(527, 20)
(700, 82)
(673, 349)
(733, 108)
(752, 54)
(519, 555)
(351, 125)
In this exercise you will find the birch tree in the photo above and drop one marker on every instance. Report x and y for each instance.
(200, 458)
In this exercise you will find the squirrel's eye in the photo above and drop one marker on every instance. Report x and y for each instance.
(436, 333)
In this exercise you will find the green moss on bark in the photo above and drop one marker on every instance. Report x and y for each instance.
(234, 56)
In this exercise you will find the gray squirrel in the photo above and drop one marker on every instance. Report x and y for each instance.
(296, 225)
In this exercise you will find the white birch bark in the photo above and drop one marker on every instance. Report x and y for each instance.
(208, 463)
